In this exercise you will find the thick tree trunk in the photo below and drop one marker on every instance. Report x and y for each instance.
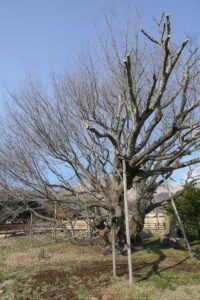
(115, 193)
(136, 225)
(138, 211)
(118, 220)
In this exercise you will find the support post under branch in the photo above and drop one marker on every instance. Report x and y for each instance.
(128, 240)
(178, 218)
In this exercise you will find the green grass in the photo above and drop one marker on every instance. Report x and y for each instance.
(83, 292)
(159, 287)
(19, 264)
(161, 281)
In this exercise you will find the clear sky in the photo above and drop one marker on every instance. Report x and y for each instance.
(35, 34)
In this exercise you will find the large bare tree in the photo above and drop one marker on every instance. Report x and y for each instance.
(135, 98)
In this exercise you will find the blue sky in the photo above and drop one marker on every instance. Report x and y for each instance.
(35, 34)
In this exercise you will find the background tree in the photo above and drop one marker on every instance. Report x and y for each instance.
(188, 205)
(16, 206)
(135, 99)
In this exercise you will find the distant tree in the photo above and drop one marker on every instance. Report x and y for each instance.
(188, 205)
(16, 206)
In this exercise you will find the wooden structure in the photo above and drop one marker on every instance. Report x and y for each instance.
(155, 222)
(78, 225)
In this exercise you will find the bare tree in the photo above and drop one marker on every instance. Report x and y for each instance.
(136, 98)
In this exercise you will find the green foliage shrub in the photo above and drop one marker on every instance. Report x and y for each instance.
(188, 205)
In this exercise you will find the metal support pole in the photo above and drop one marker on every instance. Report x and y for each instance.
(178, 217)
(72, 229)
(31, 229)
(113, 251)
(55, 225)
(127, 225)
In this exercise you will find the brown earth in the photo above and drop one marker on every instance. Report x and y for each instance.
(92, 278)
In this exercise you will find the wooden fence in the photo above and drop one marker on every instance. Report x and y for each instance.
(153, 222)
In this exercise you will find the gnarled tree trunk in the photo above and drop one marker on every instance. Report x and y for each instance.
(137, 224)
(139, 209)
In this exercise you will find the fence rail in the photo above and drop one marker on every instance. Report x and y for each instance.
(152, 222)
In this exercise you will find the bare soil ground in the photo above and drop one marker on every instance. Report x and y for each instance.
(81, 273)
(87, 278)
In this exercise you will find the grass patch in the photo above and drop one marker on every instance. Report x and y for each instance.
(80, 272)
(158, 288)
(14, 275)
(83, 292)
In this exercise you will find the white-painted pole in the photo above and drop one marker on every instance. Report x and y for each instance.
(113, 251)
(55, 224)
(128, 240)
(31, 229)
(178, 217)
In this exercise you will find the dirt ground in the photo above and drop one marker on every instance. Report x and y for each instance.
(90, 277)
(81, 273)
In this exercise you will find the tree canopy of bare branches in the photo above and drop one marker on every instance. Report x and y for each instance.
(135, 98)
